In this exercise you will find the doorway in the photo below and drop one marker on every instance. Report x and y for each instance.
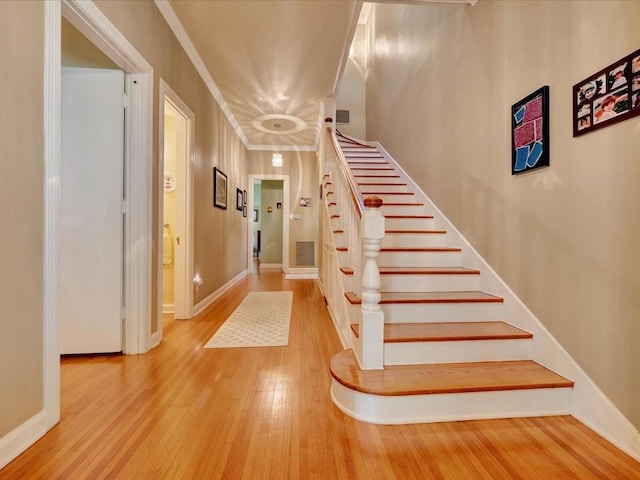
(268, 237)
(175, 262)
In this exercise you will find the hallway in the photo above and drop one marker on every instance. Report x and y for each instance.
(183, 412)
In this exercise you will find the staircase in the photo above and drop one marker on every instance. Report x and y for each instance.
(449, 352)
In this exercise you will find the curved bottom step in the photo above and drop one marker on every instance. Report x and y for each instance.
(448, 391)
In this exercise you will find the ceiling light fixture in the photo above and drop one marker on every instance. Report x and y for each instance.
(276, 159)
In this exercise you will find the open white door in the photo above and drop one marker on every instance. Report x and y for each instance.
(91, 211)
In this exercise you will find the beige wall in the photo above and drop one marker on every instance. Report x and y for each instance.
(303, 173)
(22, 194)
(78, 51)
(352, 91)
(220, 236)
(440, 86)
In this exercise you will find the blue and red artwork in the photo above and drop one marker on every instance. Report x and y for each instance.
(530, 132)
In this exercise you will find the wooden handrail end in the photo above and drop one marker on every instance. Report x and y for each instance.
(373, 202)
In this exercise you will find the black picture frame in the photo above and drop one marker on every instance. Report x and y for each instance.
(607, 97)
(239, 199)
(530, 132)
(256, 214)
(219, 189)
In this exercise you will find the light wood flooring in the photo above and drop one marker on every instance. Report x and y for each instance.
(183, 412)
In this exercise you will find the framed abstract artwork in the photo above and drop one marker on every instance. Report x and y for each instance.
(608, 96)
(530, 132)
(219, 189)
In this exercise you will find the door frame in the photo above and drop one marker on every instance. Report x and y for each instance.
(184, 261)
(88, 18)
(285, 218)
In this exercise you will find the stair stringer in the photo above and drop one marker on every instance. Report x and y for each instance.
(587, 401)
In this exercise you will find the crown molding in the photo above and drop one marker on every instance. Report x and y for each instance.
(181, 34)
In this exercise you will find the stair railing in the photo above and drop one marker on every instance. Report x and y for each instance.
(363, 229)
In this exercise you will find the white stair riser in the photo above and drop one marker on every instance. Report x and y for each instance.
(419, 259)
(429, 283)
(390, 197)
(414, 240)
(385, 189)
(440, 312)
(413, 353)
(379, 179)
(378, 171)
(409, 223)
(416, 209)
(368, 163)
(452, 406)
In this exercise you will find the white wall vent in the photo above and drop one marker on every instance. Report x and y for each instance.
(305, 254)
(342, 117)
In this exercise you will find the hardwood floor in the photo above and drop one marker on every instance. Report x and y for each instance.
(183, 412)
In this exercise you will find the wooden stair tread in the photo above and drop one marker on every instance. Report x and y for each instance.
(444, 377)
(385, 193)
(420, 271)
(378, 176)
(430, 297)
(448, 331)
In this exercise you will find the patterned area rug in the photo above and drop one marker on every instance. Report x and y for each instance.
(261, 320)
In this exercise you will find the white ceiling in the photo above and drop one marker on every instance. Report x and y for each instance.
(267, 62)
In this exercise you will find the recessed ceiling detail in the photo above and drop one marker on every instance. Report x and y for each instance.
(279, 123)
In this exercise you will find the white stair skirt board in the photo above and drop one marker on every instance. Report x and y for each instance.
(437, 312)
(429, 283)
(396, 410)
(413, 353)
(261, 320)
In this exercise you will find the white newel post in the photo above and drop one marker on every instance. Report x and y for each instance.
(372, 322)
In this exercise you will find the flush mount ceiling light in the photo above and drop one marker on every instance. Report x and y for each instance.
(276, 159)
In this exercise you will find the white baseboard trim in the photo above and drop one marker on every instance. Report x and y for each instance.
(301, 273)
(167, 308)
(205, 302)
(21, 438)
(270, 266)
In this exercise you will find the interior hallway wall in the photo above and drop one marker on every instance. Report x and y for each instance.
(22, 192)
(441, 80)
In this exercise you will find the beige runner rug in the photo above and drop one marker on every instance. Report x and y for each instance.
(261, 320)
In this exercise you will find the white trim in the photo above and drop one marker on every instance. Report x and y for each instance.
(270, 266)
(205, 302)
(166, 308)
(285, 221)
(302, 273)
(52, 159)
(343, 341)
(27, 433)
(588, 403)
(156, 338)
(178, 30)
(168, 94)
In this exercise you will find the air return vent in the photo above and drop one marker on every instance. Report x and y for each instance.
(305, 254)
(342, 116)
